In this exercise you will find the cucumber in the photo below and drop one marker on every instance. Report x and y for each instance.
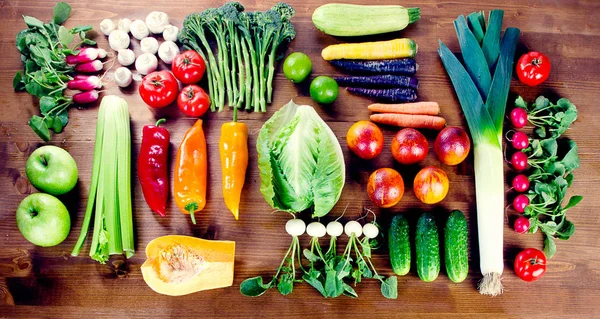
(334, 19)
(399, 245)
(455, 243)
(428, 248)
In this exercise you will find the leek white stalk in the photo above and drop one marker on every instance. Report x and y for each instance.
(483, 100)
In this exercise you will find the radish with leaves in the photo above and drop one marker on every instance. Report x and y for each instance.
(89, 67)
(520, 183)
(286, 272)
(519, 140)
(85, 55)
(550, 120)
(87, 84)
(85, 97)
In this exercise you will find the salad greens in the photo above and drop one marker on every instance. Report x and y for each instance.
(300, 161)
(43, 48)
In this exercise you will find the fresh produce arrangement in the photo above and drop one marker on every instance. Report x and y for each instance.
(51, 63)
(247, 45)
(232, 53)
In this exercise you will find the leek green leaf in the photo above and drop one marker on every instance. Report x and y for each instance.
(491, 41)
(473, 57)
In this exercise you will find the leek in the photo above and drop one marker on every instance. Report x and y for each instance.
(110, 187)
(482, 96)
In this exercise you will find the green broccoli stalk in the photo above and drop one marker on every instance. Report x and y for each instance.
(193, 27)
(284, 35)
(268, 24)
(246, 26)
(213, 22)
(230, 13)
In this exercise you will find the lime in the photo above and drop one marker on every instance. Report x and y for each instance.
(324, 89)
(296, 67)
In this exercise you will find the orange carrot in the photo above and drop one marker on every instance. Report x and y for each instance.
(410, 120)
(424, 108)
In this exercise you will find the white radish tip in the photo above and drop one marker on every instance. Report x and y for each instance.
(491, 284)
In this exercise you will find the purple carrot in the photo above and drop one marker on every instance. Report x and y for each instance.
(389, 95)
(84, 55)
(89, 67)
(89, 83)
(85, 97)
(395, 66)
(381, 81)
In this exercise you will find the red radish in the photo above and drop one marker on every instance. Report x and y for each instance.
(80, 77)
(85, 97)
(520, 183)
(84, 55)
(89, 83)
(519, 161)
(89, 67)
(522, 225)
(520, 141)
(102, 53)
(518, 117)
(520, 202)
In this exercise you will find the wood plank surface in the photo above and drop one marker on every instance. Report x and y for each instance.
(49, 283)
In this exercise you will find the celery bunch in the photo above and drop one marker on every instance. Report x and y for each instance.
(110, 188)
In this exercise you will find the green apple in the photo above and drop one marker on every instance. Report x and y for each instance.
(51, 170)
(43, 220)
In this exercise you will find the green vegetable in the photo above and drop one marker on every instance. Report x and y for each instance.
(247, 47)
(43, 48)
(484, 103)
(456, 247)
(300, 161)
(333, 18)
(428, 248)
(399, 245)
(110, 187)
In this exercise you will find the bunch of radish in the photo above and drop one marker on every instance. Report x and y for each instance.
(144, 31)
(85, 87)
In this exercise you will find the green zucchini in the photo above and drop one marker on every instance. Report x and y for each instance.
(455, 243)
(428, 248)
(357, 20)
(399, 245)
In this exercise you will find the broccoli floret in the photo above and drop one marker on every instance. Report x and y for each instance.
(285, 10)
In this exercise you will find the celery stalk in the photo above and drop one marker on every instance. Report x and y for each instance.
(124, 181)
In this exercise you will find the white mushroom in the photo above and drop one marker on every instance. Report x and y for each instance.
(124, 24)
(107, 26)
(156, 21)
(118, 40)
(170, 33)
(146, 63)
(123, 77)
(126, 57)
(149, 45)
(138, 29)
(167, 51)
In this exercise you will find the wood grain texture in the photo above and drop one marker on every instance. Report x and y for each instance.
(48, 282)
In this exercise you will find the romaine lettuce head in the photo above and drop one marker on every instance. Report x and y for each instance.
(300, 161)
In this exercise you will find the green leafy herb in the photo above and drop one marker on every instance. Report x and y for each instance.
(551, 120)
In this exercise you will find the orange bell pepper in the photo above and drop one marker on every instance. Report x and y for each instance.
(190, 172)
(233, 149)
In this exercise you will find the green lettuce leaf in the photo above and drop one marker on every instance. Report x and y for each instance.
(300, 161)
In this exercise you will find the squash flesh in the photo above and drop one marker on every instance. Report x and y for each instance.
(180, 265)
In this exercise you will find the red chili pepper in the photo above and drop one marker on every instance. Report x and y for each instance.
(152, 166)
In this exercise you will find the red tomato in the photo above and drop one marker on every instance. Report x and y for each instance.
(530, 264)
(533, 68)
(189, 67)
(193, 101)
(159, 89)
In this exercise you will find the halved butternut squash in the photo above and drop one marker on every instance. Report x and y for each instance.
(180, 265)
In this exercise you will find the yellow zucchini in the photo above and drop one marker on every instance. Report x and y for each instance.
(381, 50)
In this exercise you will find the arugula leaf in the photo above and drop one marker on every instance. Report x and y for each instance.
(62, 11)
(566, 231)
(253, 287)
(574, 200)
(47, 104)
(389, 287)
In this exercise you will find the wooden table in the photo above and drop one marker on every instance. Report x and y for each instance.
(48, 282)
